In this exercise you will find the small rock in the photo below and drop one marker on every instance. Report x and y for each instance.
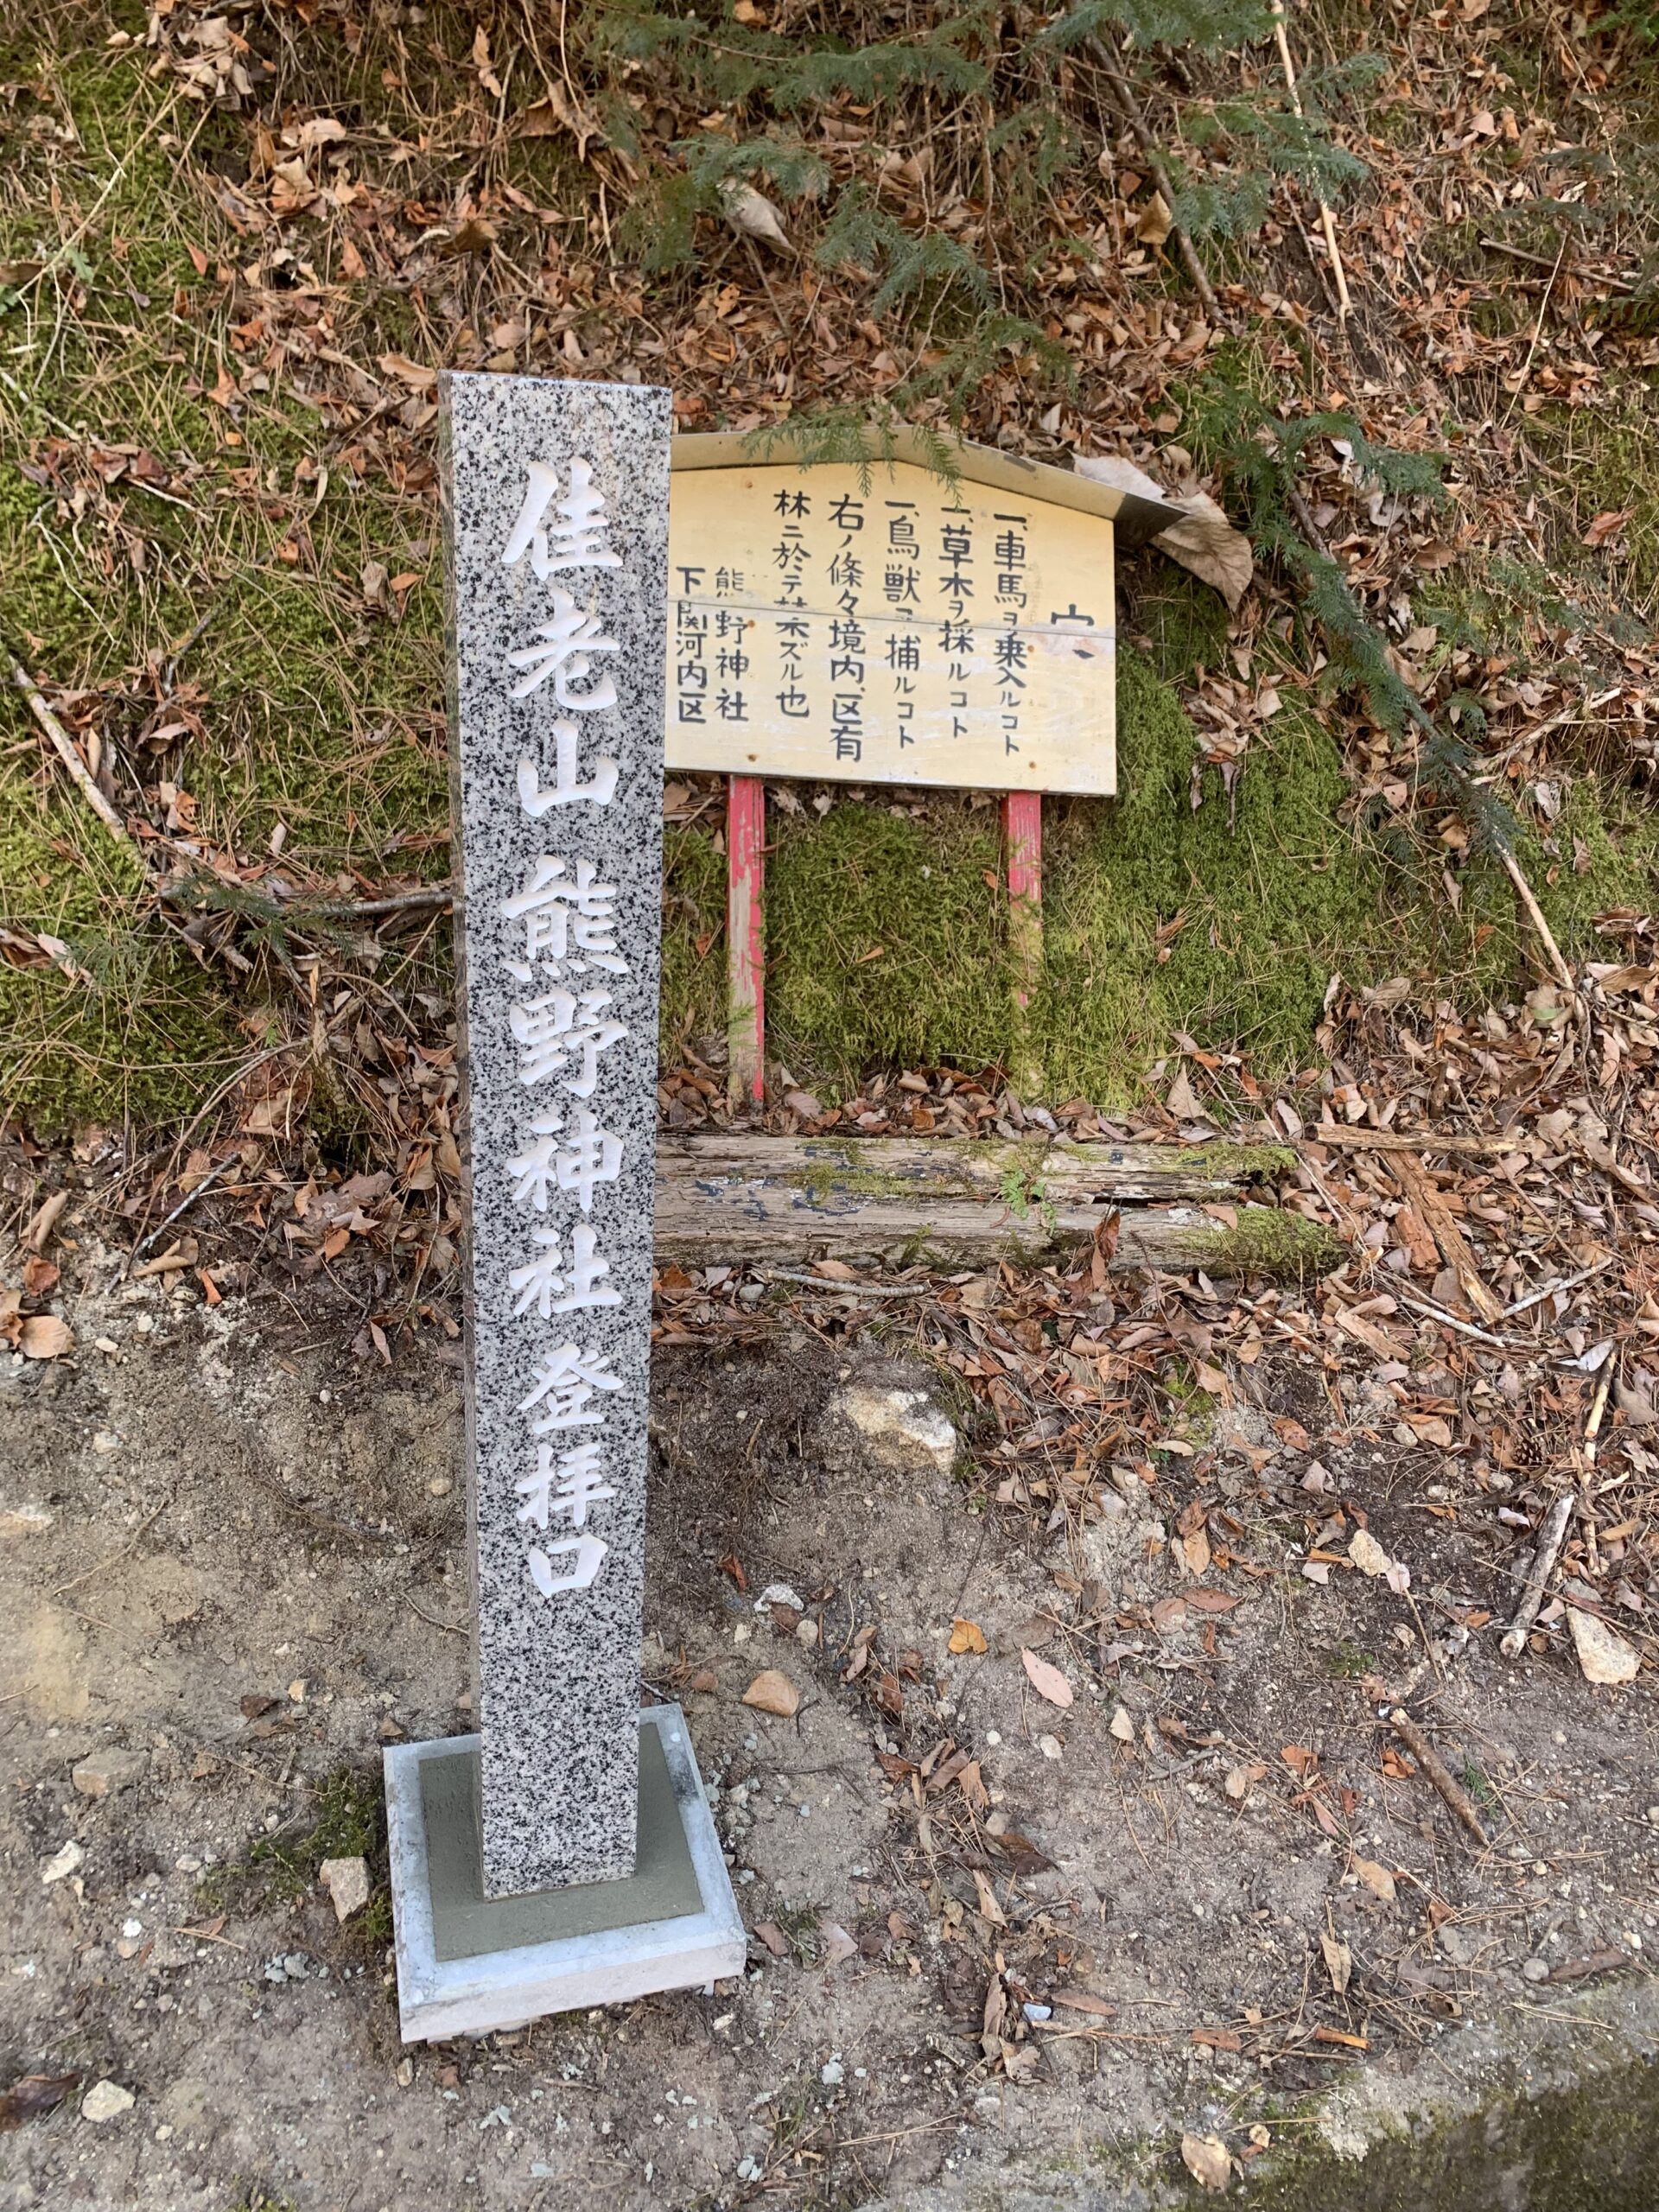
(806, 1633)
(1367, 1554)
(106, 2100)
(830, 2072)
(105, 1440)
(780, 1593)
(901, 1430)
(63, 1863)
(1050, 1747)
(1463, 1946)
(17, 1521)
(102, 1773)
(1535, 1970)
(772, 1692)
(1603, 1653)
(346, 1881)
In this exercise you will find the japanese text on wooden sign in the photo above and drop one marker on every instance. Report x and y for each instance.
(888, 626)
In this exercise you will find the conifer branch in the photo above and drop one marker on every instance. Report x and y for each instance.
(1106, 61)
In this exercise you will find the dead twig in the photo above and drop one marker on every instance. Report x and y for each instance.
(1592, 1426)
(1102, 56)
(1566, 1282)
(1450, 1321)
(184, 1204)
(1540, 1568)
(1327, 224)
(143, 1530)
(1526, 367)
(1455, 1248)
(432, 1620)
(69, 753)
(1439, 1773)
(1559, 967)
(1364, 1140)
(402, 902)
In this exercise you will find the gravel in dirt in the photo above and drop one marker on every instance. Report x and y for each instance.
(1076, 1832)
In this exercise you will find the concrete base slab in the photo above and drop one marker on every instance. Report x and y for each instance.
(467, 1964)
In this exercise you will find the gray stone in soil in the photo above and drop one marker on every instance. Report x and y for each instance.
(556, 499)
(100, 1774)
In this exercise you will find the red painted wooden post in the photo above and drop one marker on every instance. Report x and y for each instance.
(1022, 849)
(746, 941)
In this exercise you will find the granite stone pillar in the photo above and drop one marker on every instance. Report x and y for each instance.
(558, 521)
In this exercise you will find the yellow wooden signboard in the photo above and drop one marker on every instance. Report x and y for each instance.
(889, 626)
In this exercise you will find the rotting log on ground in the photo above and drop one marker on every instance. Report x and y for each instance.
(788, 1199)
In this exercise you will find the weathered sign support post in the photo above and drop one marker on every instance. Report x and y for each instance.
(565, 1854)
(745, 940)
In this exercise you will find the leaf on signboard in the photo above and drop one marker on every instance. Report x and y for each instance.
(1203, 540)
(1047, 1681)
(1206, 543)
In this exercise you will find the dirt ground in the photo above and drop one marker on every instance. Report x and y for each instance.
(990, 1930)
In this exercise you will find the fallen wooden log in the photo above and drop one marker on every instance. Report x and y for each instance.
(927, 1169)
(903, 1199)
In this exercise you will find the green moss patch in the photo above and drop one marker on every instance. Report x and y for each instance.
(188, 541)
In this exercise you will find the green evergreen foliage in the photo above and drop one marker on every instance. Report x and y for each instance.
(1259, 453)
(861, 232)
(1211, 25)
(969, 303)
